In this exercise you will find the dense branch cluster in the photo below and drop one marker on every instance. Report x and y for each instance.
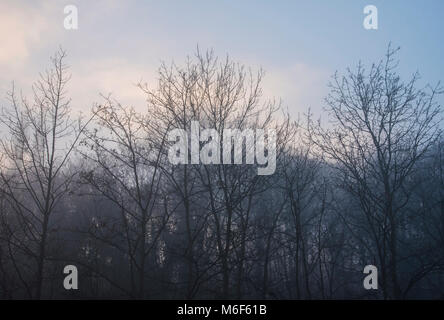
(100, 193)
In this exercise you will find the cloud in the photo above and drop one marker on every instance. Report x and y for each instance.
(27, 26)
(115, 76)
(22, 27)
(31, 31)
(300, 86)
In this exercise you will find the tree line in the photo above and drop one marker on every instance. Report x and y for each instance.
(364, 187)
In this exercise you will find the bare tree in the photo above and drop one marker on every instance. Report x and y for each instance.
(216, 199)
(35, 163)
(365, 189)
(380, 128)
(126, 170)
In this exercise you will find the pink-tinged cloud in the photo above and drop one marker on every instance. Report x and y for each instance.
(22, 28)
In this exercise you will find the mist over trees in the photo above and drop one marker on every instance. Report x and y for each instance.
(364, 187)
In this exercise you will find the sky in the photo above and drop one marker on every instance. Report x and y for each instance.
(299, 44)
